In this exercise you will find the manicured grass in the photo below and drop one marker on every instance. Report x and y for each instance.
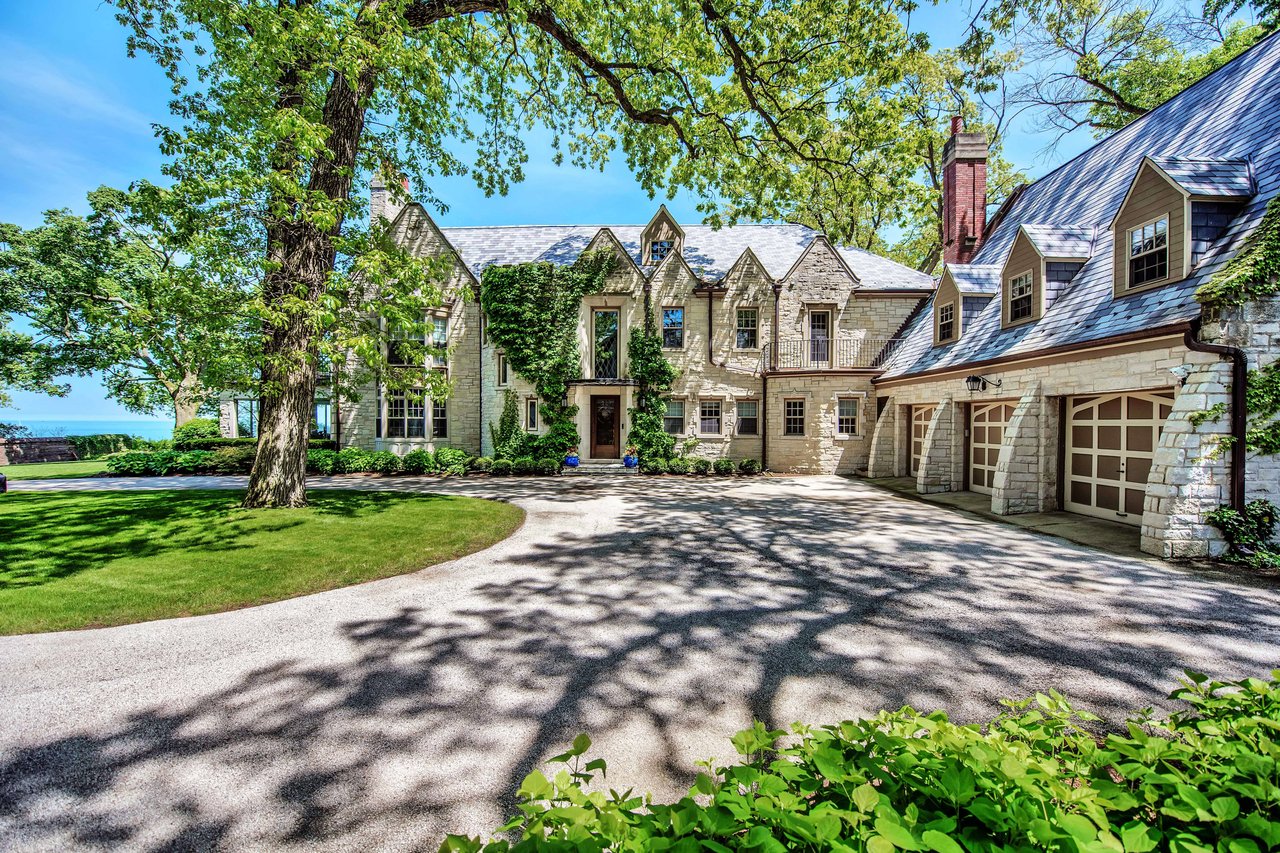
(91, 559)
(54, 470)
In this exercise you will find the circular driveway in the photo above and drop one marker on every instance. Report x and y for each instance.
(659, 616)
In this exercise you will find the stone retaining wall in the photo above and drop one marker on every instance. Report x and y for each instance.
(17, 450)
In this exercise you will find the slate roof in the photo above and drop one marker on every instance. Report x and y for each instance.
(976, 278)
(1209, 177)
(1232, 115)
(1061, 241)
(710, 252)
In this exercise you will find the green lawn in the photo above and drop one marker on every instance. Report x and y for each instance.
(90, 559)
(54, 470)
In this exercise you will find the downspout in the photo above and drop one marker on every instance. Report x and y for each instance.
(1239, 412)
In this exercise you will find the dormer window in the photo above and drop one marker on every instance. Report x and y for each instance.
(946, 322)
(1149, 252)
(1021, 294)
(659, 249)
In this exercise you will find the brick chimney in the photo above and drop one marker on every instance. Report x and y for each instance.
(384, 203)
(964, 193)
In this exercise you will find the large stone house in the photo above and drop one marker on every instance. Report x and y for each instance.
(1063, 357)
(776, 334)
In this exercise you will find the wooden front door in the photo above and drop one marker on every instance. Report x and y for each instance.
(606, 427)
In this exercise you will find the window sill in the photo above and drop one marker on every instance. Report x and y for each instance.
(845, 437)
(711, 436)
(793, 435)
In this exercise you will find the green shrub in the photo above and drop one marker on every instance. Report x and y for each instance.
(160, 462)
(724, 467)
(97, 446)
(1034, 778)
(678, 465)
(1249, 533)
(501, 468)
(384, 462)
(481, 464)
(231, 460)
(749, 466)
(322, 462)
(191, 462)
(548, 466)
(653, 466)
(352, 460)
(215, 443)
(196, 428)
(419, 462)
(524, 466)
(701, 465)
(451, 460)
(129, 463)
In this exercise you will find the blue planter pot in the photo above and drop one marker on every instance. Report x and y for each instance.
(631, 461)
(571, 461)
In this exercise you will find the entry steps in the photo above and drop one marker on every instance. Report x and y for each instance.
(600, 468)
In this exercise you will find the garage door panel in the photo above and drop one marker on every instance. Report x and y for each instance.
(987, 423)
(921, 417)
(1113, 439)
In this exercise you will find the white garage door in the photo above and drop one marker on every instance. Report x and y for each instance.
(987, 423)
(921, 417)
(1111, 440)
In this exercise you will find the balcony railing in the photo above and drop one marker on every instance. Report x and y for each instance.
(826, 354)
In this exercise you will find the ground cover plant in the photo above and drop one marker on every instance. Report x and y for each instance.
(1034, 778)
(88, 559)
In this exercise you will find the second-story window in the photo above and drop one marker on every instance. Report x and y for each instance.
(605, 332)
(748, 328)
(1020, 297)
(1149, 252)
(673, 327)
(440, 339)
(659, 249)
(403, 349)
(946, 321)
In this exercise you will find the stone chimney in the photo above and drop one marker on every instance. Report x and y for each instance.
(964, 193)
(383, 202)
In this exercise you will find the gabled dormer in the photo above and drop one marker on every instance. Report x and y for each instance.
(663, 236)
(963, 291)
(1041, 263)
(1174, 210)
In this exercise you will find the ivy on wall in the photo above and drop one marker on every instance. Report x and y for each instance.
(1254, 273)
(532, 312)
(650, 368)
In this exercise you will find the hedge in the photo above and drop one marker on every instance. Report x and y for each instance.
(215, 443)
(97, 446)
(1033, 778)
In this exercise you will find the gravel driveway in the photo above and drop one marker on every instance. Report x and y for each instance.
(658, 616)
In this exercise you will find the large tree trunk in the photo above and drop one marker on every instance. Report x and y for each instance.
(279, 476)
(184, 411)
(186, 400)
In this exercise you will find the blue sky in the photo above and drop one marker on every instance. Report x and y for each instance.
(76, 112)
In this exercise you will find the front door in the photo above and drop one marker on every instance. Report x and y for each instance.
(605, 427)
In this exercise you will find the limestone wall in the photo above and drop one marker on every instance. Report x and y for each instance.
(820, 450)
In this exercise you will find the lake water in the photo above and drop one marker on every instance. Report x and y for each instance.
(142, 429)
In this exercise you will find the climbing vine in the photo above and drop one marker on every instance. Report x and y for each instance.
(1254, 273)
(532, 312)
(650, 368)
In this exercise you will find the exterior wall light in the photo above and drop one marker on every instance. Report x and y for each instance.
(981, 383)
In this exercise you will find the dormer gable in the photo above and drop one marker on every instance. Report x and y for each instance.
(947, 310)
(663, 236)
(963, 291)
(1041, 263)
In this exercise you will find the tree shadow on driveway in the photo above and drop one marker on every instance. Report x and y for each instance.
(685, 614)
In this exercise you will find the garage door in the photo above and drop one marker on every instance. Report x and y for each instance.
(987, 422)
(921, 417)
(1110, 444)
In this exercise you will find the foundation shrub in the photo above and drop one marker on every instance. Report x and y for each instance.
(384, 462)
(653, 466)
(700, 465)
(232, 460)
(1036, 777)
(501, 468)
(524, 466)
(482, 464)
(321, 462)
(723, 467)
(678, 465)
(451, 460)
(749, 466)
(353, 460)
(419, 462)
(548, 466)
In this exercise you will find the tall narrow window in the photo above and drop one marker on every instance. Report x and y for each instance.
(847, 415)
(440, 340)
(793, 417)
(406, 414)
(748, 327)
(1149, 252)
(673, 328)
(946, 322)
(531, 414)
(1020, 296)
(710, 417)
(320, 420)
(439, 419)
(673, 420)
(659, 249)
(748, 417)
(605, 326)
(820, 337)
(503, 369)
(247, 418)
(404, 348)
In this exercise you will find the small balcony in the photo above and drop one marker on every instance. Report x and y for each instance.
(827, 354)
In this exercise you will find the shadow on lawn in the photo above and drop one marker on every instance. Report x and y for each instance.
(57, 535)
(700, 612)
